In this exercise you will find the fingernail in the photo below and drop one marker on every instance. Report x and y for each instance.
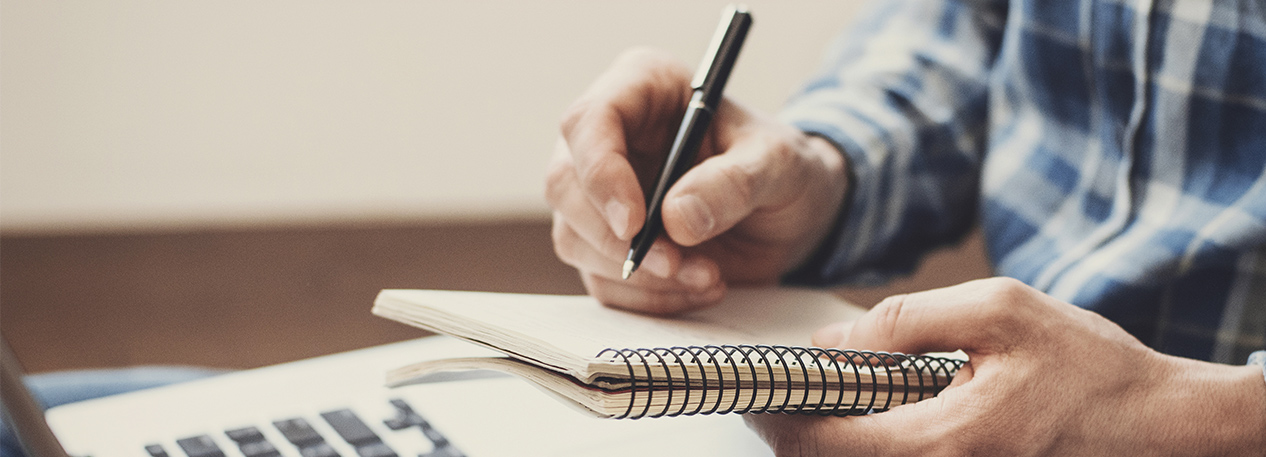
(656, 262)
(832, 336)
(695, 275)
(618, 217)
(698, 217)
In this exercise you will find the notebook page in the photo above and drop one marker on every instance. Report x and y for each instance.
(566, 331)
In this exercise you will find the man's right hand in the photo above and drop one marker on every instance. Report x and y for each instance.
(762, 197)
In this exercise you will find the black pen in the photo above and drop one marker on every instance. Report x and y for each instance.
(708, 83)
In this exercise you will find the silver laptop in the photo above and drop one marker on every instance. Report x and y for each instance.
(336, 405)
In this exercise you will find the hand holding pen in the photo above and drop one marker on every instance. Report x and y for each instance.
(759, 198)
(707, 87)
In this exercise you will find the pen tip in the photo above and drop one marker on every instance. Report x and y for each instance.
(629, 266)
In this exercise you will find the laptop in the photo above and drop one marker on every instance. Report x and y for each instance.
(336, 405)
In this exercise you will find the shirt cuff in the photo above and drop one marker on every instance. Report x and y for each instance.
(1258, 358)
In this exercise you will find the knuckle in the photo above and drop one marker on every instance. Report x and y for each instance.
(574, 115)
(888, 315)
(1006, 284)
(649, 66)
(1004, 300)
(564, 244)
(599, 173)
(642, 56)
(558, 175)
(781, 162)
(1006, 292)
(788, 155)
(784, 150)
(612, 245)
(739, 181)
(643, 61)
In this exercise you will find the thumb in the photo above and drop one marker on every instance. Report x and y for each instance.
(984, 316)
(755, 172)
(833, 335)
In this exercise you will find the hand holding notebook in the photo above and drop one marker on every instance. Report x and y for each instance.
(748, 354)
(1046, 378)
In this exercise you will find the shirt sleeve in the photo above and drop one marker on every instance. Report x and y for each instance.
(904, 96)
(1258, 358)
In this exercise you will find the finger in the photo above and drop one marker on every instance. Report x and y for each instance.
(906, 430)
(699, 272)
(833, 335)
(663, 260)
(763, 170)
(590, 261)
(574, 209)
(603, 171)
(697, 276)
(836, 336)
(984, 316)
(628, 102)
(626, 295)
(574, 250)
(565, 195)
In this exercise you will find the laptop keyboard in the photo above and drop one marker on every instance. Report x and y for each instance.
(302, 437)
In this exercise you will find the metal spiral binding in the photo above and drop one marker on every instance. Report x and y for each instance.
(729, 361)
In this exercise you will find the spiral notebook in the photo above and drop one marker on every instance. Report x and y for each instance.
(750, 354)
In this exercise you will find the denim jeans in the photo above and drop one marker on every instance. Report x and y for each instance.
(58, 388)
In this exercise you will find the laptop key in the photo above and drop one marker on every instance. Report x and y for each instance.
(245, 435)
(400, 404)
(252, 443)
(298, 431)
(397, 423)
(435, 436)
(261, 448)
(321, 449)
(404, 418)
(447, 451)
(350, 427)
(377, 449)
(156, 450)
(200, 446)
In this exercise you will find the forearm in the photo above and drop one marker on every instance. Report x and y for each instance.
(1171, 406)
(830, 204)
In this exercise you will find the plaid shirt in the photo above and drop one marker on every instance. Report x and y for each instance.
(1113, 152)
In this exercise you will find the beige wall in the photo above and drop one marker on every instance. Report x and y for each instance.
(158, 114)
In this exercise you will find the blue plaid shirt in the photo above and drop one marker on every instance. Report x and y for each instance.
(1113, 152)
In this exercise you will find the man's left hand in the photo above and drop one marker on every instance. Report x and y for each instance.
(1045, 378)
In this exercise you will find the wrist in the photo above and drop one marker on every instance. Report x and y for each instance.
(1216, 409)
(831, 161)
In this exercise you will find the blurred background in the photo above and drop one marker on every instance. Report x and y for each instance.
(230, 183)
